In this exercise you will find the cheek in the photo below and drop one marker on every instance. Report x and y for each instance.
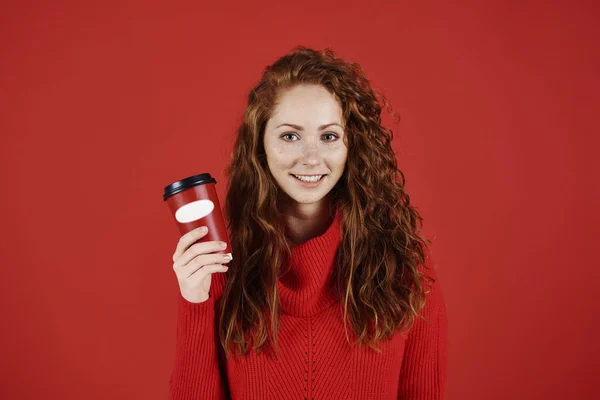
(274, 153)
(339, 158)
(279, 157)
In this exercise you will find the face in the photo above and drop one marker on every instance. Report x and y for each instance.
(305, 136)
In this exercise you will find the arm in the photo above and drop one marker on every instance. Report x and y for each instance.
(196, 374)
(423, 372)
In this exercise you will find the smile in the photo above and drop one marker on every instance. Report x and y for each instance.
(309, 181)
(309, 178)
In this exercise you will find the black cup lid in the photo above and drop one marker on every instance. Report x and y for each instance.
(187, 183)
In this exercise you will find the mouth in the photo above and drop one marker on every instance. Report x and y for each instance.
(309, 180)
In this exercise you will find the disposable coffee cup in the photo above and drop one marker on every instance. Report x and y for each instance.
(194, 203)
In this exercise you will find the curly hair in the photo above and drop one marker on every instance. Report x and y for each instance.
(377, 271)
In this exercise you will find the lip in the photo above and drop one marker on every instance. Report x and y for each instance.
(308, 184)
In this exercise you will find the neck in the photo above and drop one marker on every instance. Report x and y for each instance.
(306, 221)
(305, 288)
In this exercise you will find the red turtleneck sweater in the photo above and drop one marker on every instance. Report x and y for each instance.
(316, 360)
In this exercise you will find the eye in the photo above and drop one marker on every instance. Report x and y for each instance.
(335, 136)
(288, 134)
(331, 134)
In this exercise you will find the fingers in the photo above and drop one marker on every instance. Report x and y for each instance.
(202, 273)
(186, 240)
(186, 270)
(197, 250)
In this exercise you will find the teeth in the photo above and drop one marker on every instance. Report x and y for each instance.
(309, 179)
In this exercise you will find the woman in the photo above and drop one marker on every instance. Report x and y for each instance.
(330, 294)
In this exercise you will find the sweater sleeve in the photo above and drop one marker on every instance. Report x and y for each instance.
(423, 371)
(196, 374)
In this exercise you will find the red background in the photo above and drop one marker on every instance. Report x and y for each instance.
(105, 104)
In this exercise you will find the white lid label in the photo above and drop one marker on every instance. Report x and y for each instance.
(194, 210)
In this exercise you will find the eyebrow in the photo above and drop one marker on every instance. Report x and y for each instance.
(298, 127)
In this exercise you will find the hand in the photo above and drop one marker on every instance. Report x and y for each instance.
(195, 263)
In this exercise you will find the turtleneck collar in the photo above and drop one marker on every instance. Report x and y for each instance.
(305, 289)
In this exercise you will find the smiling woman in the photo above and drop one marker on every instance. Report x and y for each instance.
(315, 158)
(332, 294)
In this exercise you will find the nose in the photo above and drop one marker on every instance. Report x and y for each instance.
(310, 154)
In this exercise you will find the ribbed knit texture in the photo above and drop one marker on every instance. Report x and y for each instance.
(316, 361)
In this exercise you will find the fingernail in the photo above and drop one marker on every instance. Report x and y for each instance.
(223, 244)
(203, 229)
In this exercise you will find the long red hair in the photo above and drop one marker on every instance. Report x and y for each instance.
(377, 266)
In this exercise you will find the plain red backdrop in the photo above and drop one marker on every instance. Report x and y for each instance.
(103, 105)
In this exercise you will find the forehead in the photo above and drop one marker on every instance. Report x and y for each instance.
(305, 103)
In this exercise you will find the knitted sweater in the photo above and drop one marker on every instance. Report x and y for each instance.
(316, 360)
